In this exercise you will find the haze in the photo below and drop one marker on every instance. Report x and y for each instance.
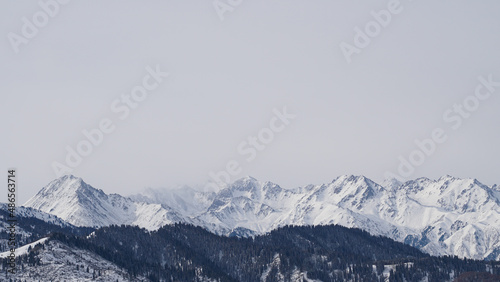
(228, 77)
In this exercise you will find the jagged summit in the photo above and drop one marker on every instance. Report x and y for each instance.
(447, 216)
(64, 183)
(350, 177)
(75, 201)
(391, 183)
(447, 177)
(359, 179)
(68, 187)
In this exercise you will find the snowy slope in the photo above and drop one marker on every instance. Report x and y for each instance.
(248, 204)
(448, 216)
(59, 263)
(35, 213)
(184, 199)
(459, 216)
(28, 229)
(73, 200)
(23, 249)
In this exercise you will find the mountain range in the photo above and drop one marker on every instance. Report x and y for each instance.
(448, 216)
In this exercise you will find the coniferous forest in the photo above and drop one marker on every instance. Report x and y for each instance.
(322, 253)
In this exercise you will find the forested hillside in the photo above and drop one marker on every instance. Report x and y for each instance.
(327, 253)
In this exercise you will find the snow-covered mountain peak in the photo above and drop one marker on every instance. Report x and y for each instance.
(66, 183)
(68, 187)
(452, 194)
(251, 188)
(349, 178)
(444, 216)
(347, 191)
(354, 179)
(184, 199)
(245, 184)
(67, 179)
(391, 184)
(352, 185)
(447, 177)
(80, 204)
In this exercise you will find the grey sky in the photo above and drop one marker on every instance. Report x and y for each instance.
(226, 77)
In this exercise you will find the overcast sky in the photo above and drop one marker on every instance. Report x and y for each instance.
(227, 79)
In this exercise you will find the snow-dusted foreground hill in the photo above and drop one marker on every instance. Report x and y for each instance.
(446, 216)
(183, 252)
(58, 262)
(32, 225)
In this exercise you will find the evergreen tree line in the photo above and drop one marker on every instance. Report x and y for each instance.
(183, 252)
